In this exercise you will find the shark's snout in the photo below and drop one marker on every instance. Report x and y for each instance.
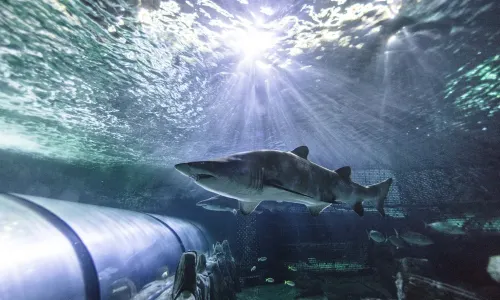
(184, 169)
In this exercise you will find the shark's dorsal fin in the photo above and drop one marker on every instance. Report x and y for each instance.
(315, 210)
(344, 173)
(301, 151)
(247, 208)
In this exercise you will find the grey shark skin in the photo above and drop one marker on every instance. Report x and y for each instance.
(252, 177)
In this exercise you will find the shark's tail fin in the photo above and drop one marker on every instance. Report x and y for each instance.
(380, 191)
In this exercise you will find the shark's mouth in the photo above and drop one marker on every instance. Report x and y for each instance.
(198, 177)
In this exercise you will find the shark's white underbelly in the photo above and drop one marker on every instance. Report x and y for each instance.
(267, 194)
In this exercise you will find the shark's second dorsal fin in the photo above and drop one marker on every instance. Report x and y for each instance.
(344, 173)
(301, 151)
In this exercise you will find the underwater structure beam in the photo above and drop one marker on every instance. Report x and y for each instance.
(52, 249)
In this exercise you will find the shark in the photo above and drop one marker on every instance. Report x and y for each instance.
(283, 176)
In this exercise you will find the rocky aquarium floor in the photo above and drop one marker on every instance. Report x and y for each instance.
(329, 288)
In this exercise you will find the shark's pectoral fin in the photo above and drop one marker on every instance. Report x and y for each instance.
(358, 208)
(344, 173)
(315, 210)
(247, 208)
(214, 198)
(301, 151)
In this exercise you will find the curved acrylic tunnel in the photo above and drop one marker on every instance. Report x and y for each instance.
(51, 249)
(188, 233)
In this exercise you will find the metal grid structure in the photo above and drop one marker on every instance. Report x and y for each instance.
(333, 251)
(353, 260)
(435, 187)
(431, 195)
(247, 244)
(463, 196)
(324, 266)
(324, 240)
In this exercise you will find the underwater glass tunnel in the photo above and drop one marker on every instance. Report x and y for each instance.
(241, 149)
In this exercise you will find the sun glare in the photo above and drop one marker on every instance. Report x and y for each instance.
(252, 44)
(256, 43)
(392, 40)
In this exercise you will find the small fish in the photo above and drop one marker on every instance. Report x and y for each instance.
(289, 282)
(270, 280)
(253, 269)
(261, 259)
(163, 272)
(446, 227)
(376, 236)
(415, 238)
(292, 268)
(396, 241)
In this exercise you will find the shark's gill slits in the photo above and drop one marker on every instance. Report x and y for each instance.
(256, 179)
(260, 180)
(251, 184)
